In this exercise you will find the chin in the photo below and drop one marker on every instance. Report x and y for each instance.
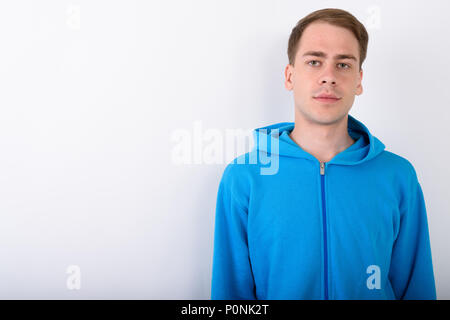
(326, 117)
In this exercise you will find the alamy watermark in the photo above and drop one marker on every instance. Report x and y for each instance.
(214, 146)
(73, 19)
(374, 280)
(73, 281)
(373, 20)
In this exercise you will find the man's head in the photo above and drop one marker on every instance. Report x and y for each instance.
(326, 50)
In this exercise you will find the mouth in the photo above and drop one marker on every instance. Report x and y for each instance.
(327, 99)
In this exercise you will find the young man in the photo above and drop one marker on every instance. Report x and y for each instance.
(341, 218)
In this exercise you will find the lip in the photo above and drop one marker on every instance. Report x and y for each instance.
(327, 99)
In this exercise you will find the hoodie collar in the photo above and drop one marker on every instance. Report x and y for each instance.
(366, 145)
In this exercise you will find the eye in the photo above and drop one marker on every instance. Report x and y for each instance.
(347, 66)
(309, 63)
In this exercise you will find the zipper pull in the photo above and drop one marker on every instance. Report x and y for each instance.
(322, 168)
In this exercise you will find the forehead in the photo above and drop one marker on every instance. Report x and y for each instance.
(322, 36)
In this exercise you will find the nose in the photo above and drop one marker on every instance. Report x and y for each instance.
(329, 81)
(328, 77)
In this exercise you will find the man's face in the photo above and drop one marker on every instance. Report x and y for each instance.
(316, 75)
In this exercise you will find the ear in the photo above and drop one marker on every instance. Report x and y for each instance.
(288, 77)
(359, 88)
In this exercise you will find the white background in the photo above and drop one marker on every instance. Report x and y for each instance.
(92, 91)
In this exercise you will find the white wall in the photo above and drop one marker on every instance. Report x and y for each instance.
(92, 93)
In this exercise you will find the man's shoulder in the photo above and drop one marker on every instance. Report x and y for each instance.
(395, 163)
(241, 167)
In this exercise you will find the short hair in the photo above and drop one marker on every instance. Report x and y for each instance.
(336, 17)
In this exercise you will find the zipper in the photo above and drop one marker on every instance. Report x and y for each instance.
(324, 221)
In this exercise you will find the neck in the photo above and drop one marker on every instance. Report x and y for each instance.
(323, 141)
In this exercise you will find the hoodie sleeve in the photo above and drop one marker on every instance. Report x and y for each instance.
(411, 270)
(232, 277)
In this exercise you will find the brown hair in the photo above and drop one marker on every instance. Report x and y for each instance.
(336, 17)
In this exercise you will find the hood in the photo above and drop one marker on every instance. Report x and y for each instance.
(366, 146)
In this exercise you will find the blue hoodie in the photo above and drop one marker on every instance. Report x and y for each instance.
(354, 227)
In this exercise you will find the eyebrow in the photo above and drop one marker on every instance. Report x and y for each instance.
(324, 55)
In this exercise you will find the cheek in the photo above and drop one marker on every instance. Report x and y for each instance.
(301, 90)
(303, 83)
